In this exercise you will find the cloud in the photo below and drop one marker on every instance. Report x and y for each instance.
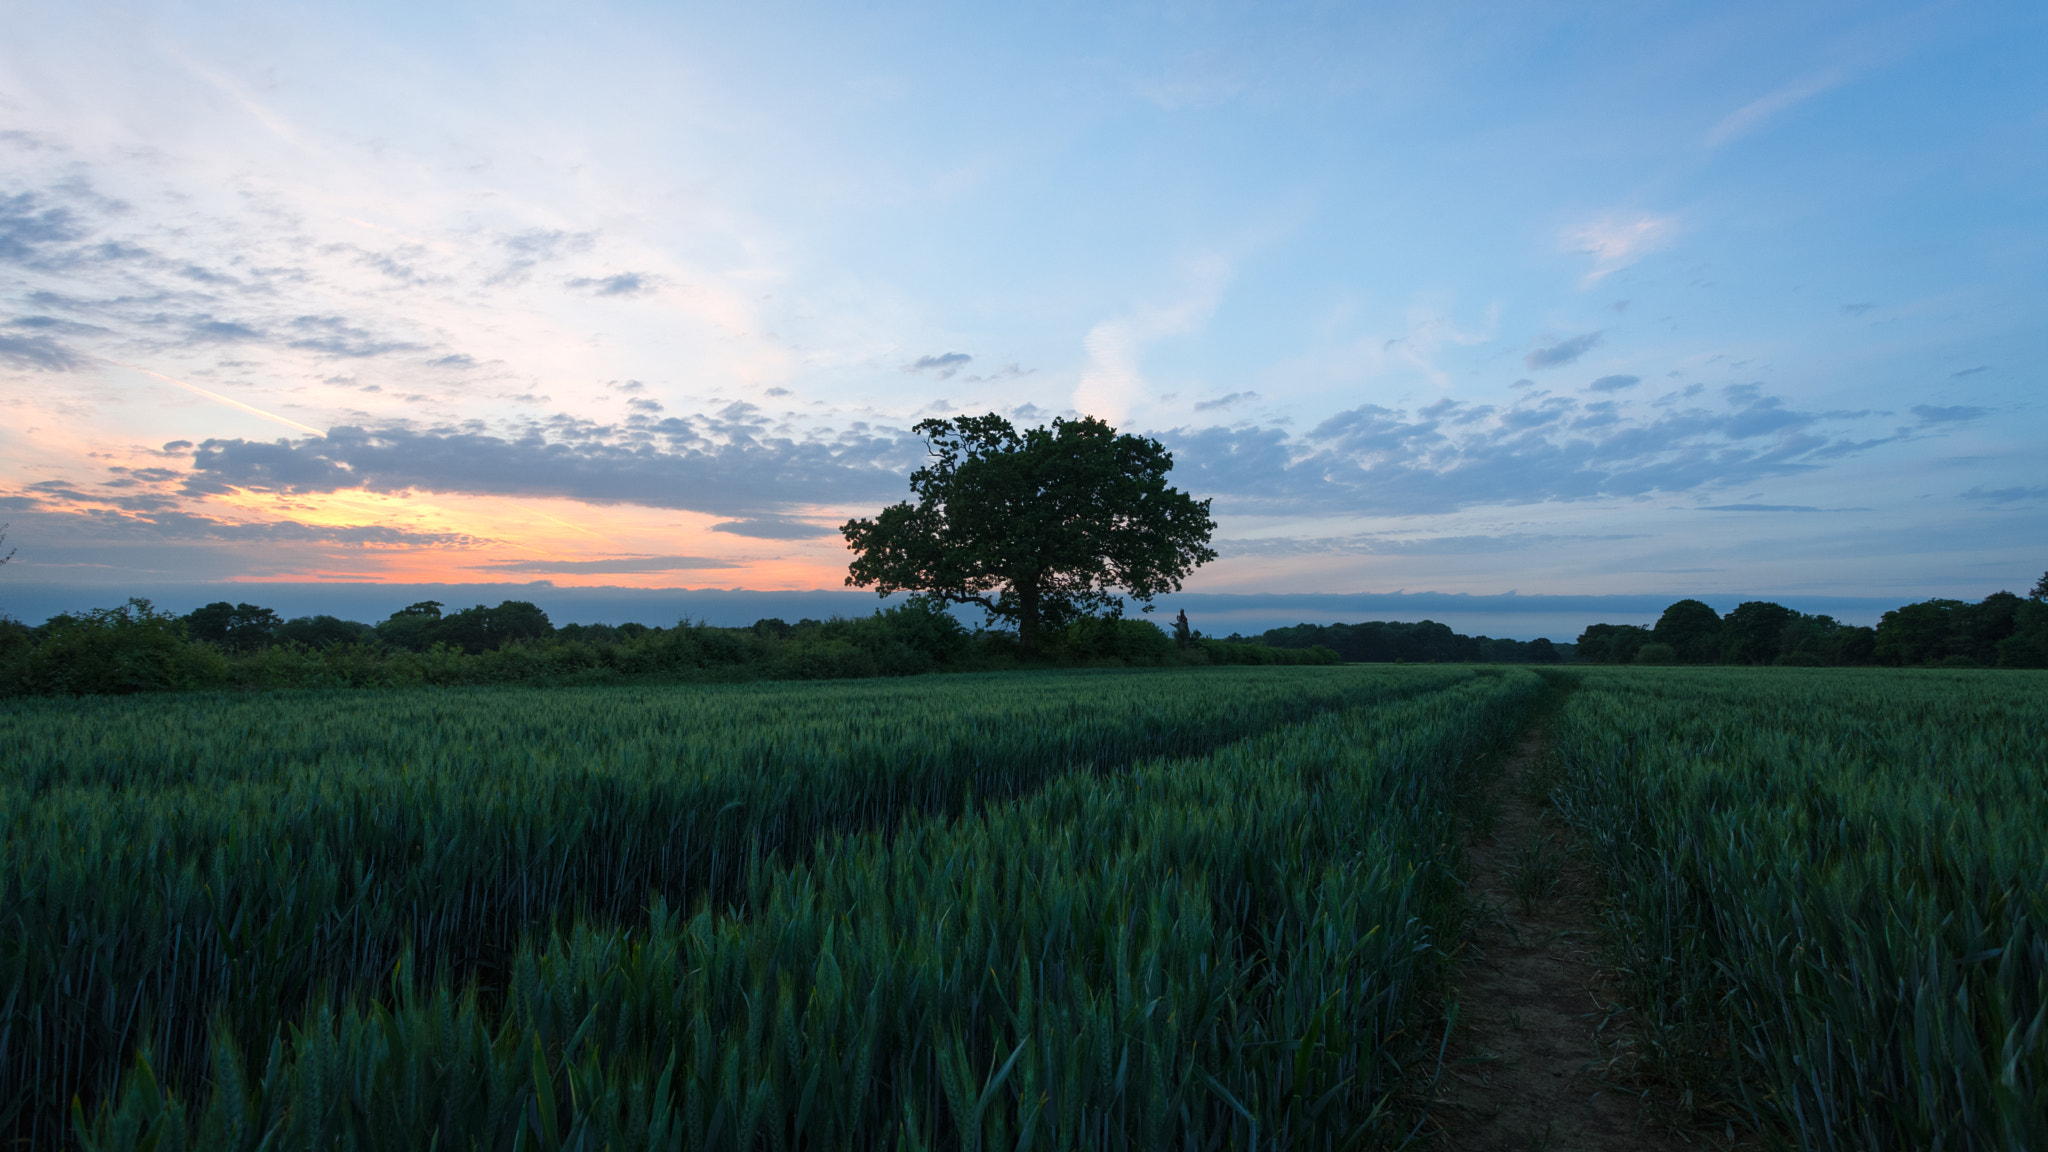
(623, 284)
(1759, 508)
(1614, 383)
(2005, 495)
(942, 366)
(776, 528)
(79, 522)
(1111, 383)
(721, 464)
(39, 353)
(335, 336)
(627, 565)
(1367, 544)
(1615, 242)
(454, 360)
(1561, 353)
(1955, 414)
(1374, 460)
(1225, 401)
(205, 329)
(1750, 116)
(1969, 371)
(538, 246)
(28, 229)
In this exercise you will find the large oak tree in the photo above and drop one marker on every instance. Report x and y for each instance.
(1037, 527)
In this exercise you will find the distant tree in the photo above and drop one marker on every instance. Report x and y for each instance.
(323, 630)
(10, 552)
(1922, 633)
(1182, 634)
(1542, 651)
(2027, 647)
(236, 627)
(1755, 632)
(1038, 527)
(2040, 591)
(1612, 643)
(482, 629)
(413, 626)
(1692, 630)
(1982, 626)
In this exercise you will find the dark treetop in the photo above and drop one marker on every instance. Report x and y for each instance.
(1036, 527)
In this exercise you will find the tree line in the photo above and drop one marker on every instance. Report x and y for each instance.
(2003, 630)
(135, 647)
(1424, 642)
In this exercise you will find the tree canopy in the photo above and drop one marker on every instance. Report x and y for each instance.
(1038, 527)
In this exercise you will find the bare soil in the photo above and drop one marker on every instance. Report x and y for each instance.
(1539, 1057)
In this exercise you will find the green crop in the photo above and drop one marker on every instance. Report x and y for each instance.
(180, 872)
(1830, 891)
(1218, 950)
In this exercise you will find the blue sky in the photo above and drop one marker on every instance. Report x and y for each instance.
(1570, 300)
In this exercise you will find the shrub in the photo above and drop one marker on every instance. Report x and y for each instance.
(132, 648)
(1656, 654)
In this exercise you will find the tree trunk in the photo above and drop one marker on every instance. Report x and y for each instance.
(1027, 616)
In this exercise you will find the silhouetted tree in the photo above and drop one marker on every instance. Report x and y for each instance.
(236, 627)
(1692, 630)
(1755, 632)
(1612, 643)
(1038, 527)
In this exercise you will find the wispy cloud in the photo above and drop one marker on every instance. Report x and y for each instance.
(622, 284)
(943, 366)
(39, 353)
(1374, 460)
(2005, 495)
(1112, 385)
(1563, 352)
(1754, 114)
(723, 464)
(775, 528)
(1950, 414)
(618, 567)
(1618, 240)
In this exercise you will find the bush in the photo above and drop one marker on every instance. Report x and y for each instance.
(115, 651)
(1656, 654)
(1113, 640)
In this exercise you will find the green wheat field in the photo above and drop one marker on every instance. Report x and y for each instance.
(1164, 909)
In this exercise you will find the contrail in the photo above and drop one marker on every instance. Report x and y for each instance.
(229, 401)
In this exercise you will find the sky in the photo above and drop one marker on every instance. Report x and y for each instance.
(1552, 300)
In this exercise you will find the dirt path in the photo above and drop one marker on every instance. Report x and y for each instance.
(1540, 1041)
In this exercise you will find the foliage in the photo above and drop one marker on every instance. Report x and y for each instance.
(221, 871)
(1692, 630)
(1039, 528)
(1425, 642)
(1756, 632)
(132, 648)
(238, 627)
(1830, 892)
(1612, 643)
